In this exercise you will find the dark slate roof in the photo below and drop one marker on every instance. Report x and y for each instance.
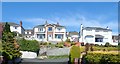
(96, 28)
(73, 33)
(11, 23)
(39, 26)
(28, 29)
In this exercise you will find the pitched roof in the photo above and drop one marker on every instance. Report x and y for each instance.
(11, 23)
(39, 26)
(96, 28)
(73, 33)
(28, 29)
(43, 25)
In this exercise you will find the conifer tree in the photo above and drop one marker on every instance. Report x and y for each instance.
(10, 47)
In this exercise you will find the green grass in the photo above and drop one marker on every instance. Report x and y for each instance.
(56, 57)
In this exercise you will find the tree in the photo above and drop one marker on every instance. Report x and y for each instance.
(10, 49)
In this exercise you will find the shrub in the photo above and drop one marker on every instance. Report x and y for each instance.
(102, 58)
(107, 44)
(74, 53)
(29, 45)
(67, 40)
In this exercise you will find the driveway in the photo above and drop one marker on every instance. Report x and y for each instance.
(45, 61)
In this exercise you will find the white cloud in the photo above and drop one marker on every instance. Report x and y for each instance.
(74, 21)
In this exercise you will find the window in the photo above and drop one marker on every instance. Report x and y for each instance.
(59, 29)
(98, 39)
(40, 36)
(59, 36)
(97, 31)
(27, 32)
(105, 31)
(40, 29)
(49, 28)
(15, 27)
(89, 30)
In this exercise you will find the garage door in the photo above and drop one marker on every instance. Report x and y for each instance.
(89, 39)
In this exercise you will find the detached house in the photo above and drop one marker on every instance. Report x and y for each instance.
(18, 28)
(95, 35)
(50, 32)
(29, 33)
(73, 36)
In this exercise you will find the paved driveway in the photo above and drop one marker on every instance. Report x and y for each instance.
(45, 61)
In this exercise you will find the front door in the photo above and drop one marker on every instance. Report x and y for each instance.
(49, 37)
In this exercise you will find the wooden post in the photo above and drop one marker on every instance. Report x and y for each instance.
(75, 60)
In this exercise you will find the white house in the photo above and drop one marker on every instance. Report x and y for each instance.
(29, 34)
(50, 32)
(95, 35)
(73, 36)
(18, 28)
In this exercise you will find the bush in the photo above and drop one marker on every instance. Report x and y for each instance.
(67, 40)
(72, 43)
(29, 45)
(101, 58)
(107, 44)
(74, 53)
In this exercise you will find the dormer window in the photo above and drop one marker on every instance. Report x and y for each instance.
(40, 29)
(49, 28)
(59, 29)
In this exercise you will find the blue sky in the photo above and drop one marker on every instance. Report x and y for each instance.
(69, 14)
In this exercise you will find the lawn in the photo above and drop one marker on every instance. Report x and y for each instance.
(56, 57)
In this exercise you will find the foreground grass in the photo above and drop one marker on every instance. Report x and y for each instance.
(104, 52)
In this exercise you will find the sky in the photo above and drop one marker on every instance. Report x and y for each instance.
(69, 14)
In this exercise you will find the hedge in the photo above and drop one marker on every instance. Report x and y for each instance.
(102, 58)
(29, 45)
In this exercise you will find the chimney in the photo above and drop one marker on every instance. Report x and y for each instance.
(57, 23)
(20, 23)
(46, 22)
(81, 27)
